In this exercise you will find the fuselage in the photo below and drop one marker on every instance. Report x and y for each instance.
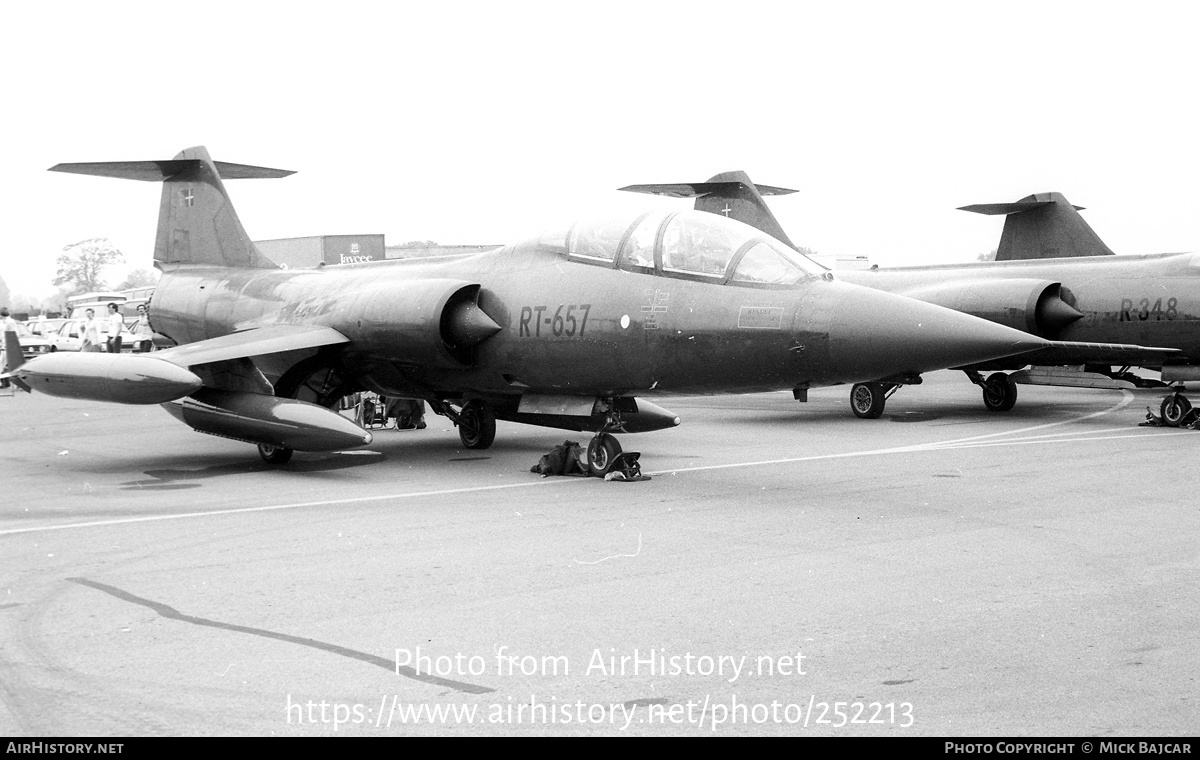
(566, 326)
(1149, 300)
(586, 325)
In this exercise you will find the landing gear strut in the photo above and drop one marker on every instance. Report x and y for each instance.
(603, 450)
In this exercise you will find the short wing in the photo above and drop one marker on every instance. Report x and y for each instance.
(1074, 352)
(253, 342)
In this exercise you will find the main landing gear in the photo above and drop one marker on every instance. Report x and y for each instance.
(476, 425)
(317, 380)
(274, 454)
(867, 399)
(476, 421)
(999, 391)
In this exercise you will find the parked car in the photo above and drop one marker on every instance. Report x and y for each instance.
(32, 345)
(45, 327)
(70, 336)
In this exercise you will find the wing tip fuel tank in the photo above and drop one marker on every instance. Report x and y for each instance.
(120, 378)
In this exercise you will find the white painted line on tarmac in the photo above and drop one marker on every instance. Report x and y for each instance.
(977, 441)
(274, 507)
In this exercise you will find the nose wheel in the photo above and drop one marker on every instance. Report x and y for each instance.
(1174, 408)
(603, 450)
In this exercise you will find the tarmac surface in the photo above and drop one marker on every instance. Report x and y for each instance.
(790, 569)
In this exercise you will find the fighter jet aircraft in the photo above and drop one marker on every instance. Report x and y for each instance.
(1053, 277)
(570, 328)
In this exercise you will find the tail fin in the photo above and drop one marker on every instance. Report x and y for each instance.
(730, 194)
(1043, 226)
(196, 220)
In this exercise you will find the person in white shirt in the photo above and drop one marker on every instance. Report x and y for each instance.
(91, 332)
(116, 323)
(143, 332)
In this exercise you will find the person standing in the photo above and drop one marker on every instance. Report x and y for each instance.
(116, 324)
(7, 324)
(90, 330)
(143, 332)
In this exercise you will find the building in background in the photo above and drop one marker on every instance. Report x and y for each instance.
(308, 252)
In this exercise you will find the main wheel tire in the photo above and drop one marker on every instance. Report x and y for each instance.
(999, 393)
(476, 425)
(867, 400)
(274, 454)
(1174, 408)
(602, 451)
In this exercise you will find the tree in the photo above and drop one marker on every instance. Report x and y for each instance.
(80, 264)
(4, 294)
(139, 278)
(989, 256)
(24, 304)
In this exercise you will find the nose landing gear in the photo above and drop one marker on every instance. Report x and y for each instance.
(602, 451)
(1174, 409)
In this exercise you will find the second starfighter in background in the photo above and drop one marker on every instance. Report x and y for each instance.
(1053, 278)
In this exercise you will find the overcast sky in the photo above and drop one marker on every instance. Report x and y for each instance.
(483, 122)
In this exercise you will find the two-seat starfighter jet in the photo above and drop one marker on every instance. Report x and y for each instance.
(1053, 277)
(567, 329)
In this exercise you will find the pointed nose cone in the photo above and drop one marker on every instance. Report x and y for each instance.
(875, 335)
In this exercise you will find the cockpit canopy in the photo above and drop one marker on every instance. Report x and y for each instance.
(685, 244)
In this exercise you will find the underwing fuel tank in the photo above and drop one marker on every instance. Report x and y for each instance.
(258, 418)
(123, 378)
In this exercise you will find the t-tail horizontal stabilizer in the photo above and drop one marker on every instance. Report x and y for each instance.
(729, 194)
(196, 220)
(160, 171)
(1043, 226)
